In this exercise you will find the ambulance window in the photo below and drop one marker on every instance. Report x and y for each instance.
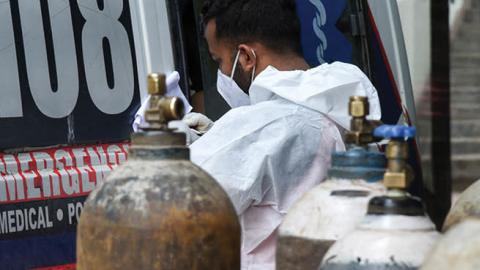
(192, 60)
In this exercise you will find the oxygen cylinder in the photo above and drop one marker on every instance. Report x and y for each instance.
(158, 210)
(336, 206)
(457, 249)
(395, 233)
(467, 205)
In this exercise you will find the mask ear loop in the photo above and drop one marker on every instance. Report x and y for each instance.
(254, 67)
(235, 64)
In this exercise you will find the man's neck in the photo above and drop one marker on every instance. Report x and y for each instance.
(291, 63)
(285, 62)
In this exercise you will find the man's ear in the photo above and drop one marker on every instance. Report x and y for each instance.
(248, 58)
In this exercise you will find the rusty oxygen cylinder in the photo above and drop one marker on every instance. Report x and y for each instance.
(159, 211)
(396, 232)
(333, 208)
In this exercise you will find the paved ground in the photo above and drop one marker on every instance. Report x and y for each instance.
(465, 100)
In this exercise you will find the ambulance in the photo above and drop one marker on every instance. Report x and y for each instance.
(73, 75)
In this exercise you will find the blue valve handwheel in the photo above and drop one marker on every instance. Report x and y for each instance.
(395, 132)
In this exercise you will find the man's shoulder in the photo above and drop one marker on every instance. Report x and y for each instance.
(272, 110)
(274, 114)
(278, 105)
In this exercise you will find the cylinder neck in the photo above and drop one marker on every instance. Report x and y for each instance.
(357, 163)
(396, 205)
(159, 145)
(396, 179)
(156, 141)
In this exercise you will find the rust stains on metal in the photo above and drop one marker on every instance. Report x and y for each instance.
(159, 215)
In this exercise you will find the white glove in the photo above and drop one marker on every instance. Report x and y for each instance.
(180, 126)
(198, 122)
(173, 90)
(193, 125)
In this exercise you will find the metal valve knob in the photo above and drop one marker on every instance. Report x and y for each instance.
(361, 129)
(398, 174)
(358, 106)
(162, 109)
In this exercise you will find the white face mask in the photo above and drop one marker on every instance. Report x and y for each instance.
(229, 89)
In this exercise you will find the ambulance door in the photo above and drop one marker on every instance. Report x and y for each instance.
(72, 76)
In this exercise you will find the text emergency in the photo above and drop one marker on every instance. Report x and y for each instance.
(45, 190)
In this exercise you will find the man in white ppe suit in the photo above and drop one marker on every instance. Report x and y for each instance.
(285, 121)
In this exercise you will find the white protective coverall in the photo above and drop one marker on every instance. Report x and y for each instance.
(266, 155)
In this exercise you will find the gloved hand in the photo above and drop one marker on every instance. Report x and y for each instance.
(193, 125)
(198, 122)
(180, 126)
(173, 90)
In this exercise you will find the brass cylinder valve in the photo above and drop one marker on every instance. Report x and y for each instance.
(361, 129)
(162, 109)
(398, 174)
(358, 107)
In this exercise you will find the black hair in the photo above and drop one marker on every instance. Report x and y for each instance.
(273, 23)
